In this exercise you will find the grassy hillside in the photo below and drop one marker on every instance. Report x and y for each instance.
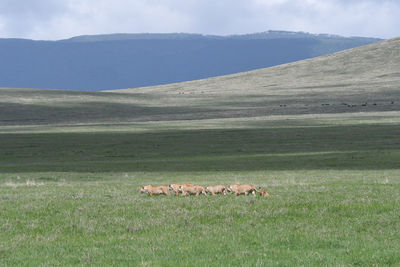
(354, 77)
(71, 164)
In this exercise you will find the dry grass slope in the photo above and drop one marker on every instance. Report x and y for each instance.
(368, 75)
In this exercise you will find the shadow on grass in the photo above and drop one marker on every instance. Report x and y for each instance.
(64, 112)
(334, 147)
(95, 111)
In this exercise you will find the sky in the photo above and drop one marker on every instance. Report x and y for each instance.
(61, 19)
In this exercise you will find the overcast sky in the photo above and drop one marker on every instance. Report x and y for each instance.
(59, 19)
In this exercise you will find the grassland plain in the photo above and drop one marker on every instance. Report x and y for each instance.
(71, 164)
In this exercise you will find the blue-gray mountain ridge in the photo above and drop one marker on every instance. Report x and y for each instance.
(115, 61)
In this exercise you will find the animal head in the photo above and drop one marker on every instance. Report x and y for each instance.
(264, 193)
(144, 189)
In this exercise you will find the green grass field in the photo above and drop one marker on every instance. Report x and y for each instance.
(71, 198)
(71, 164)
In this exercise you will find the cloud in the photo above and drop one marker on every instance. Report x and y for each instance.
(21, 17)
(105, 16)
(54, 19)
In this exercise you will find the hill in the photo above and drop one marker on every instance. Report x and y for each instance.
(365, 78)
(118, 61)
(362, 79)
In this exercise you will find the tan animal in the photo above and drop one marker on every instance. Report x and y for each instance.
(239, 189)
(177, 187)
(192, 190)
(264, 193)
(155, 190)
(216, 189)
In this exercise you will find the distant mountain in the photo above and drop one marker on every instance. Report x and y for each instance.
(115, 61)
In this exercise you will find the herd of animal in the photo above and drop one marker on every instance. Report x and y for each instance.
(190, 189)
